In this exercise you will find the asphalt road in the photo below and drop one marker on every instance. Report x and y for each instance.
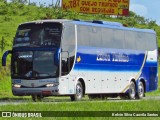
(16, 101)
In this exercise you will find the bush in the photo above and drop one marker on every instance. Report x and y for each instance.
(3, 9)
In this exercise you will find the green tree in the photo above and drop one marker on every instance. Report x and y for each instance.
(3, 1)
(132, 14)
(140, 19)
(152, 24)
(19, 1)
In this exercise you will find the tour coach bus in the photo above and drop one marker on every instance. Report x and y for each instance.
(76, 58)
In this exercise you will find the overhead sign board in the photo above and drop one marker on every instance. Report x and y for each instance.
(108, 7)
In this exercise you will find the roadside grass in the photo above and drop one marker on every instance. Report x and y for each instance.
(84, 106)
(96, 105)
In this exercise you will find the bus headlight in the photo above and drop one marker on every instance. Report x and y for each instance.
(49, 85)
(52, 85)
(16, 85)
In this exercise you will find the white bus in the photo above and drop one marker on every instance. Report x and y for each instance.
(77, 58)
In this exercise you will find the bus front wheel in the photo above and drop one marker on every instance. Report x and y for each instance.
(79, 92)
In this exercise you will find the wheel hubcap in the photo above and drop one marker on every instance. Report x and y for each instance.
(132, 91)
(79, 91)
(140, 90)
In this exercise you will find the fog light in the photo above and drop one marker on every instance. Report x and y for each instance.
(51, 84)
(16, 85)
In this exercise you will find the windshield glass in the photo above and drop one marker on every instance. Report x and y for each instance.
(34, 65)
(35, 35)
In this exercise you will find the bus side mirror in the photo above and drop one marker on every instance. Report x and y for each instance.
(4, 57)
(57, 56)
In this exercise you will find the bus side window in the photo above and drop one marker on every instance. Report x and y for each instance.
(67, 65)
(71, 61)
(64, 67)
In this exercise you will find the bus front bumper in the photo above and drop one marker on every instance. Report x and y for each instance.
(48, 91)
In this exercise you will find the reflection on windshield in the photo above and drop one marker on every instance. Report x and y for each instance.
(37, 64)
(46, 34)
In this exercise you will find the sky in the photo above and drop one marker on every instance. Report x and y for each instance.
(146, 8)
(150, 9)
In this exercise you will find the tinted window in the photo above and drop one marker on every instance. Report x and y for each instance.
(130, 40)
(68, 48)
(107, 38)
(83, 35)
(34, 64)
(95, 37)
(46, 34)
(151, 41)
(118, 39)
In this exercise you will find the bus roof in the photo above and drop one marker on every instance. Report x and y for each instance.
(50, 20)
(114, 25)
(97, 23)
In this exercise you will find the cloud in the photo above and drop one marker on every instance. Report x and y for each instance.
(139, 9)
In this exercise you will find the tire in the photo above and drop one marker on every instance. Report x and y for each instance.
(132, 91)
(79, 92)
(140, 93)
(36, 98)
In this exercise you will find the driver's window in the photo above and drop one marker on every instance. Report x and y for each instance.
(68, 49)
(65, 63)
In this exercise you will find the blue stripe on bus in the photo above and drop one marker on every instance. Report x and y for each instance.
(113, 68)
(101, 56)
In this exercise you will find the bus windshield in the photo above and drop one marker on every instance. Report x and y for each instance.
(34, 65)
(38, 35)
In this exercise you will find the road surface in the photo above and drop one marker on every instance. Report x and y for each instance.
(56, 100)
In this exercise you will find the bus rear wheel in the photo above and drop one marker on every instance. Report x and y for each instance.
(132, 91)
(140, 93)
(79, 92)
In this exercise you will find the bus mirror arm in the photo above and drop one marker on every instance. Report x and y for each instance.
(4, 57)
